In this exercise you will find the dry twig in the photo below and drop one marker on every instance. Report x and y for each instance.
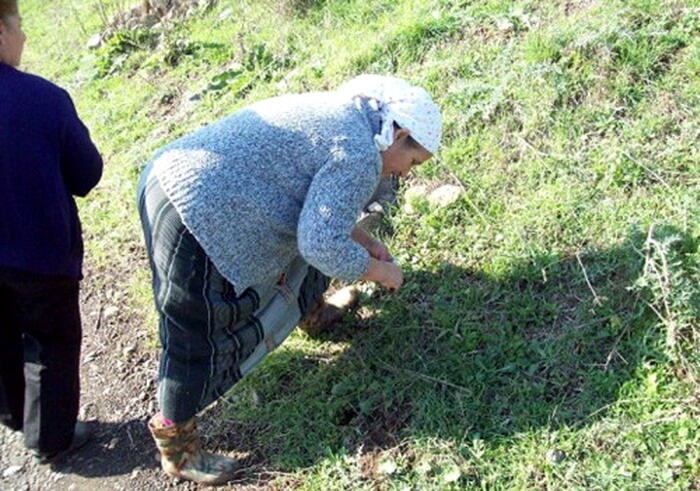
(596, 298)
(424, 377)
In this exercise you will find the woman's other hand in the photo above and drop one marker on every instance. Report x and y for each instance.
(378, 250)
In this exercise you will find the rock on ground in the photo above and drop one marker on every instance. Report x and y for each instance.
(444, 195)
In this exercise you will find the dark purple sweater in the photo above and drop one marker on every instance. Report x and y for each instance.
(46, 158)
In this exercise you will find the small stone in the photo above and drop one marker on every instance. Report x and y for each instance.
(11, 471)
(453, 474)
(95, 41)
(135, 473)
(375, 207)
(110, 311)
(85, 411)
(129, 350)
(113, 443)
(505, 25)
(257, 398)
(556, 456)
(424, 468)
(444, 195)
(194, 97)
(387, 467)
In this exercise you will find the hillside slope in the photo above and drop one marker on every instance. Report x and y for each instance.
(547, 335)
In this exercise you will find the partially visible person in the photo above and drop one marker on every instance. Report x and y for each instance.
(46, 158)
(246, 220)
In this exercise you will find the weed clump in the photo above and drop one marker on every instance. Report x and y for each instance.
(112, 56)
(668, 287)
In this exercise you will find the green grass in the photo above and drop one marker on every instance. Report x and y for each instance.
(547, 334)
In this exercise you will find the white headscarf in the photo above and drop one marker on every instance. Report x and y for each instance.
(399, 102)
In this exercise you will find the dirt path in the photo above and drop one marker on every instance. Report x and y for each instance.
(118, 370)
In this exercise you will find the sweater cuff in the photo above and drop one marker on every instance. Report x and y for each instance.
(354, 268)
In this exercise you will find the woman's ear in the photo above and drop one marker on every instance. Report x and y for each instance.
(401, 135)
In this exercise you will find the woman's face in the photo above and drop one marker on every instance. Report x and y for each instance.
(12, 40)
(402, 156)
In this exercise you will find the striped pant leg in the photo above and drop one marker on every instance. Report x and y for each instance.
(183, 277)
(231, 334)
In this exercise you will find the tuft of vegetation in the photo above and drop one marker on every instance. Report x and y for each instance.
(114, 54)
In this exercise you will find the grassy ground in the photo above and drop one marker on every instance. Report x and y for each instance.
(547, 334)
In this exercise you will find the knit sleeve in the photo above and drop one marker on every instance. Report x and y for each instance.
(333, 203)
(81, 163)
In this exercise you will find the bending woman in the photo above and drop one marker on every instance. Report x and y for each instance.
(245, 221)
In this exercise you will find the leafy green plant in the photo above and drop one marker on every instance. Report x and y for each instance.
(259, 65)
(116, 50)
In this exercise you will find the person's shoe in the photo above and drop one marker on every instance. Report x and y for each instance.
(81, 435)
(181, 454)
(330, 311)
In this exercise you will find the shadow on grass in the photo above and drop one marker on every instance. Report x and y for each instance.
(456, 355)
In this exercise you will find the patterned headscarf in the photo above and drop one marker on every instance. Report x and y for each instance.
(399, 102)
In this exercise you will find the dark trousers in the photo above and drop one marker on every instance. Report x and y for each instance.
(40, 336)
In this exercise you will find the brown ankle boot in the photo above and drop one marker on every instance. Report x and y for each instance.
(330, 311)
(181, 454)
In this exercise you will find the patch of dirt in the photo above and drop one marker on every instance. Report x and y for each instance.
(369, 464)
(379, 435)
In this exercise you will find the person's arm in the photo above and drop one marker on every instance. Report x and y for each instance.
(376, 248)
(81, 163)
(327, 234)
(362, 237)
(333, 202)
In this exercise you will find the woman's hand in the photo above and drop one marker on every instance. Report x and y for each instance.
(393, 278)
(385, 273)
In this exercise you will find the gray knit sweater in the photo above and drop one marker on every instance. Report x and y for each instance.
(282, 177)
